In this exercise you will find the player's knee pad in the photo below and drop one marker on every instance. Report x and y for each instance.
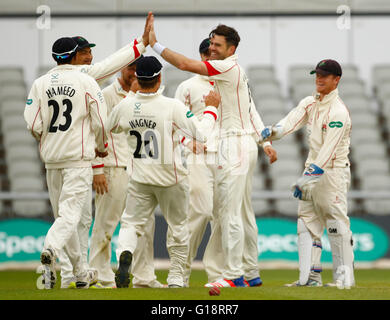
(340, 238)
(304, 251)
(316, 252)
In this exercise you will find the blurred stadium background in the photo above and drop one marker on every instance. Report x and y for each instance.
(281, 40)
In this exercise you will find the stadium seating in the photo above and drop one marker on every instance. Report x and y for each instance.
(260, 73)
(171, 78)
(268, 89)
(380, 74)
(24, 167)
(11, 75)
(369, 109)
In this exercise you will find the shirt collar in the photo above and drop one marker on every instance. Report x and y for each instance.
(152, 94)
(330, 96)
(64, 67)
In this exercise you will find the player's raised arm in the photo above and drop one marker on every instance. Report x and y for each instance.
(120, 58)
(178, 60)
(292, 122)
(98, 113)
(32, 113)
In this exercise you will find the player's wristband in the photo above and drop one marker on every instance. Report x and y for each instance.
(158, 48)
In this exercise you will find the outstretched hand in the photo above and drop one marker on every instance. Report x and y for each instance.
(145, 36)
(152, 34)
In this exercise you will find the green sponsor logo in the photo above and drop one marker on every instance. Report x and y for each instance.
(370, 241)
(22, 239)
(189, 114)
(29, 101)
(337, 124)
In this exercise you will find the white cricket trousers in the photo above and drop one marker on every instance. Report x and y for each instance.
(329, 201)
(68, 191)
(329, 209)
(213, 258)
(109, 209)
(201, 183)
(230, 185)
(83, 233)
(141, 202)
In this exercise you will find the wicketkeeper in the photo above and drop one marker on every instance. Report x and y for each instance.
(324, 184)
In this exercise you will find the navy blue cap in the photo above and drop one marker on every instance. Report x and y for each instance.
(63, 49)
(148, 68)
(328, 66)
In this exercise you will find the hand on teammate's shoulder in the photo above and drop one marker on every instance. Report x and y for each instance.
(212, 99)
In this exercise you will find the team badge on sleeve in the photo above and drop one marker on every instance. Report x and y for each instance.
(29, 101)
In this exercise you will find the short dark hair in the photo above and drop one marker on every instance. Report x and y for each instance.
(230, 34)
(64, 61)
(147, 84)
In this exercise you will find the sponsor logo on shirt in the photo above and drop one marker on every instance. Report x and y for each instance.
(29, 101)
(335, 124)
(137, 107)
(189, 114)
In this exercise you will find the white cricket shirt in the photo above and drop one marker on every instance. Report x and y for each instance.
(328, 124)
(153, 124)
(65, 111)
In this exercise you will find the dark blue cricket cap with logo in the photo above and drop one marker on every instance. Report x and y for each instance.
(82, 42)
(328, 66)
(148, 68)
(63, 49)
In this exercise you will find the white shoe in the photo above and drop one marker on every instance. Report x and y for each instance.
(330, 284)
(86, 279)
(309, 283)
(293, 284)
(68, 283)
(98, 285)
(48, 272)
(92, 276)
(225, 283)
(155, 284)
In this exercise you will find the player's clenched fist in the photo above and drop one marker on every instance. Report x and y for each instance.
(212, 99)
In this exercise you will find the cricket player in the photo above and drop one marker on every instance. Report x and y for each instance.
(234, 139)
(213, 259)
(201, 180)
(326, 179)
(65, 112)
(158, 176)
(111, 190)
(201, 177)
(100, 71)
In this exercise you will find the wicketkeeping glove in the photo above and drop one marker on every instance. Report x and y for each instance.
(272, 133)
(304, 185)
